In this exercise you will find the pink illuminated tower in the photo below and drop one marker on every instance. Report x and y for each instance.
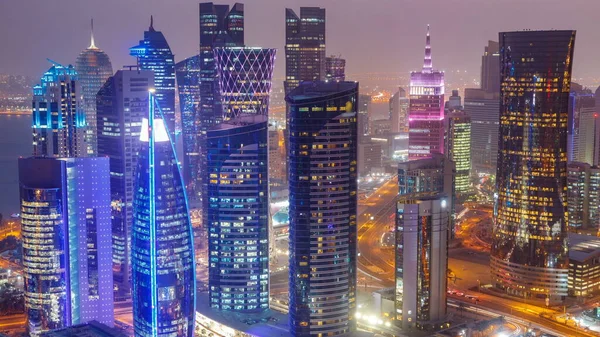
(426, 110)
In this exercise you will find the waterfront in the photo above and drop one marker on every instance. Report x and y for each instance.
(15, 141)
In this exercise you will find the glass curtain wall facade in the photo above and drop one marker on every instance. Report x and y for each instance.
(244, 80)
(529, 255)
(187, 73)
(153, 53)
(163, 276)
(426, 109)
(335, 68)
(122, 103)
(459, 149)
(484, 110)
(94, 68)
(220, 26)
(65, 213)
(58, 119)
(323, 204)
(238, 193)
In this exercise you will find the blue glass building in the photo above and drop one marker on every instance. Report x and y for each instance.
(153, 53)
(163, 276)
(65, 215)
(220, 26)
(59, 125)
(238, 216)
(187, 73)
(322, 211)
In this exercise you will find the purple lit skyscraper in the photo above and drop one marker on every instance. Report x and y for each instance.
(426, 110)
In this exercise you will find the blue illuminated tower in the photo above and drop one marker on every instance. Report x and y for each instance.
(163, 276)
(65, 215)
(153, 53)
(238, 218)
(323, 205)
(188, 87)
(59, 125)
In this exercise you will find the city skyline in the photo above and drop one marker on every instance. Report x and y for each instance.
(115, 33)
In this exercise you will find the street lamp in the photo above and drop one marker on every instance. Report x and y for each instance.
(478, 285)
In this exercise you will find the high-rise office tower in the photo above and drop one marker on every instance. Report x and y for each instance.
(483, 106)
(364, 105)
(490, 70)
(65, 213)
(162, 244)
(399, 104)
(422, 223)
(429, 176)
(59, 125)
(529, 249)
(484, 110)
(323, 187)
(153, 53)
(94, 68)
(238, 236)
(335, 68)
(459, 149)
(583, 127)
(220, 26)
(583, 195)
(187, 73)
(244, 80)
(122, 103)
(277, 158)
(304, 53)
(426, 110)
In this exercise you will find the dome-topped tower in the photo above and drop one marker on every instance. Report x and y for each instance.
(94, 68)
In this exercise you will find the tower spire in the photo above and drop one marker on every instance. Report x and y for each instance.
(92, 44)
(427, 63)
(151, 23)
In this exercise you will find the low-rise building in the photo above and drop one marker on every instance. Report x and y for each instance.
(584, 265)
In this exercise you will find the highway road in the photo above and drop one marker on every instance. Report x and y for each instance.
(13, 323)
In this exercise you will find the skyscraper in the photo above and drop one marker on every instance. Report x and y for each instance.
(239, 217)
(335, 68)
(244, 80)
(364, 105)
(239, 236)
(220, 26)
(163, 276)
(304, 46)
(304, 53)
(59, 125)
(422, 223)
(459, 149)
(583, 195)
(583, 134)
(65, 213)
(484, 110)
(122, 103)
(153, 53)
(322, 211)
(94, 68)
(399, 104)
(426, 110)
(490, 70)
(529, 249)
(187, 73)
(429, 176)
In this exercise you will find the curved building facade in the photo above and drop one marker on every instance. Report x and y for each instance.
(94, 68)
(244, 80)
(238, 215)
(323, 186)
(163, 275)
(529, 256)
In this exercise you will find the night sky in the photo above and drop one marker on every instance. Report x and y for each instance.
(375, 36)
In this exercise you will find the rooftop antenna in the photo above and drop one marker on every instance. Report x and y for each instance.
(92, 44)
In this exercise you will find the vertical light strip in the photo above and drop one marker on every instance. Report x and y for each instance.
(152, 201)
(187, 210)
